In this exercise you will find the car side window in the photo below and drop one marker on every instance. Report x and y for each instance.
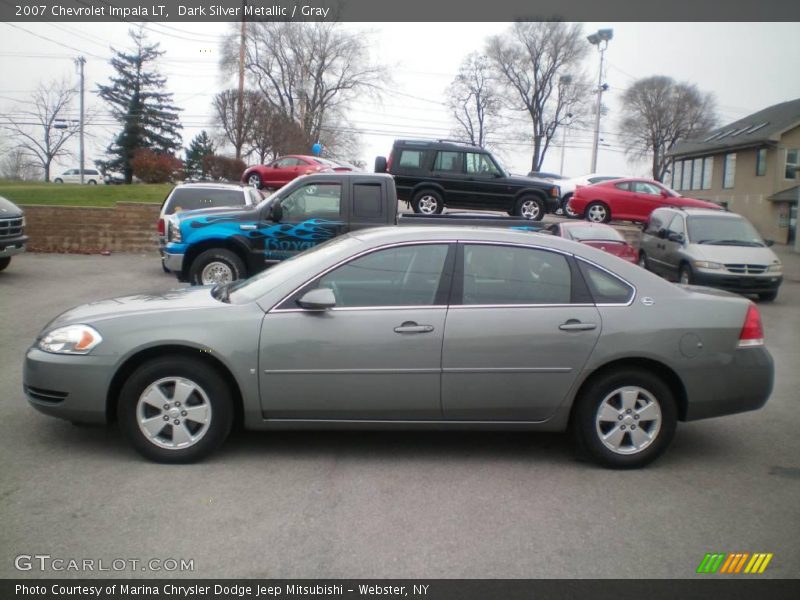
(642, 187)
(286, 162)
(605, 287)
(625, 187)
(411, 159)
(399, 276)
(677, 226)
(314, 200)
(479, 164)
(495, 275)
(656, 222)
(447, 161)
(367, 202)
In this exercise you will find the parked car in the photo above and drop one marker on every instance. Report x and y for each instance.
(628, 200)
(568, 185)
(547, 176)
(114, 178)
(282, 171)
(90, 176)
(217, 246)
(600, 236)
(12, 231)
(411, 327)
(433, 175)
(709, 247)
(192, 196)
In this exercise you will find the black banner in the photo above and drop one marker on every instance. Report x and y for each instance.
(734, 588)
(397, 11)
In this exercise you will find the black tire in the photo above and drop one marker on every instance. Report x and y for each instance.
(254, 180)
(646, 395)
(210, 400)
(58, 180)
(597, 212)
(380, 164)
(685, 274)
(92, 182)
(4, 262)
(763, 297)
(642, 261)
(427, 202)
(225, 264)
(530, 208)
(568, 212)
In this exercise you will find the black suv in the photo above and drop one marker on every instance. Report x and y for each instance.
(431, 175)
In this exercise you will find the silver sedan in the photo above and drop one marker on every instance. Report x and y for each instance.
(412, 327)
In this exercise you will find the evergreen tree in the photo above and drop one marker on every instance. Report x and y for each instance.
(200, 147)
(149, 119)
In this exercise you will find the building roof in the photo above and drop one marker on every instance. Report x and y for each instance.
(758, 129)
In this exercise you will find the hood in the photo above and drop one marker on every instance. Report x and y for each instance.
(734, 254)
(524, 180)
(9, 209)
(180, 299)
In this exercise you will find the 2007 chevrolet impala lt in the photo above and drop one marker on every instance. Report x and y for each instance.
(413, 327)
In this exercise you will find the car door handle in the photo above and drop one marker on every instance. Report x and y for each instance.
(412, 327)
(575, 325)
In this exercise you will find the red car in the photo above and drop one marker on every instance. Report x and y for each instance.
(628, 200)
(597, 235)
(283, 170)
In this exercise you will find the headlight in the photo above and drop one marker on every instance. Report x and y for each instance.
(174, 233)
(775, 268)
(73, 339)
(706, 264)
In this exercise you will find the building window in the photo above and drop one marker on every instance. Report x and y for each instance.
(792, 162)
(761, 161)
(697, 173)
(729, 171)
(677, 173)
(708, 169)
(686, 180)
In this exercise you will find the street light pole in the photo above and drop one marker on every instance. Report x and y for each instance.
(599, 39)
(81, 61)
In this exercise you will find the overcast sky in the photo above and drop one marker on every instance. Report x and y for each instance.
(747, 66)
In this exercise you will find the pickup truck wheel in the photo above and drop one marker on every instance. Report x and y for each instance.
(175, 410)
(427, 202)
(4, 262)
(530, 208)
(254, 180)
(597, 212)
(216, 266)
(625, 418)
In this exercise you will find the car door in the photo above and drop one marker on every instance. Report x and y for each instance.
(281, 171)
(487, 186)
(376, 354)
(520, 328)
(448, 172)
(648, 198)
(673, 244)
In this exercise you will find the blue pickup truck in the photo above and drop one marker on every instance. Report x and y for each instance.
(217, 245)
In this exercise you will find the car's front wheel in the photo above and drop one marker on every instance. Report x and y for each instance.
(58, 180)
(175, 410)
(625, 418)
(530, 208)
(4, 262)
(685, 275)
(764, 297)
(566, 210)
(254, 180)
(597, 212)
(216, 266)
(427, 202)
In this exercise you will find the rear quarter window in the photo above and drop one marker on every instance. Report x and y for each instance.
(410, 159)
(605, 287)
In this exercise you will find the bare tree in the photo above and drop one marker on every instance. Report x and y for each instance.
(16, 165)
(235, 131)
(473, 99)
(657, 113)
(41, 127)
(539, 64)
(305, 70)
(273, 133)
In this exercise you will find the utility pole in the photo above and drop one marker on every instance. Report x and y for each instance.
(81, 61)
(240, 99)
(599, 39)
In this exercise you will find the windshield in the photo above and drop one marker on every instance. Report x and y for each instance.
(247, 290)
(589, 233)
(724, 231)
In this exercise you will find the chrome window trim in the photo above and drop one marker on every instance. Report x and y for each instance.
(620, 278)
(563, 305)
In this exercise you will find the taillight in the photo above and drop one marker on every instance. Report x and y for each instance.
(389, 162)
(752, 331)
(161, 227)
(555, 192)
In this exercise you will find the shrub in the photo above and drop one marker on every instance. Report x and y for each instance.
(223, 167)
(152, 167)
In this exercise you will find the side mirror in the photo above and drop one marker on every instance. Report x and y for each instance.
(276, 212)
(676, 237)
(769, 243)
(664, 194)
(662, 233)
(318, 299)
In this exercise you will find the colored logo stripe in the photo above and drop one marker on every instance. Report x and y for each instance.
(734, 562)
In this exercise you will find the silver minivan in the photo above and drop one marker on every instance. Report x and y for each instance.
(713, 248)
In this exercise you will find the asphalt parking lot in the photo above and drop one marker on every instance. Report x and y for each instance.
(405, 505)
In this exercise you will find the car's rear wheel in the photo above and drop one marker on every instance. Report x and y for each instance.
(175, 410)
(254, 180)
(427, 202)
(216, 266)
(4, 262)
(625, 418)
(58, 180)
(685, 275)
(597, 212)
(92, 182)
(530, 208)
(566, 210)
